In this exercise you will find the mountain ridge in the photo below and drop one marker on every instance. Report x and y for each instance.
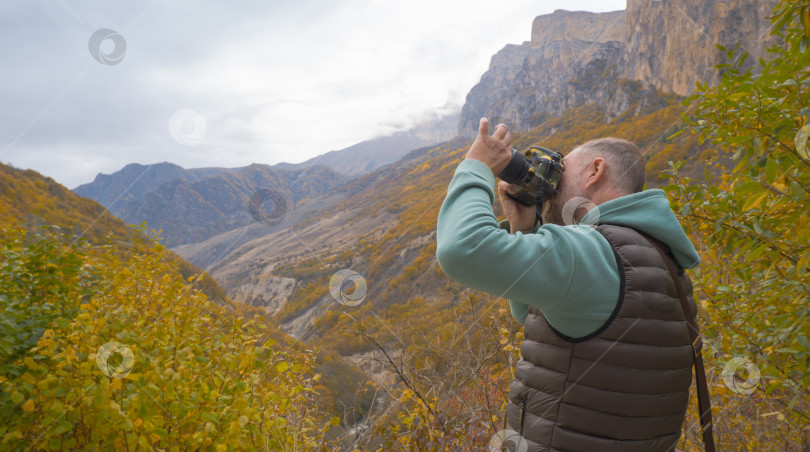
(136, 178)
(29, 199)
(193, 205)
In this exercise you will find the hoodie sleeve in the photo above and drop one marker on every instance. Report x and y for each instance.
(567, 272)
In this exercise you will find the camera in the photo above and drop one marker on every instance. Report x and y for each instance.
(534, 175)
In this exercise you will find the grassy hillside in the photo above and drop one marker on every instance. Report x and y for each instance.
(109, 342)
(29, 200)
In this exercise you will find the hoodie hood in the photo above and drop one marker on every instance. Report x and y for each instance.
(648, 211)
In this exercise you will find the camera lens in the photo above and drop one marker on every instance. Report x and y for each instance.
(517, 168)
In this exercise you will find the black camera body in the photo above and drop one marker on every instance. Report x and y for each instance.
(534, 174)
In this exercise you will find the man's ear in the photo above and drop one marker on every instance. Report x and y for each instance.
(596, 173)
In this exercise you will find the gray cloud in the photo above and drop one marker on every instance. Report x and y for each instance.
(275, 81)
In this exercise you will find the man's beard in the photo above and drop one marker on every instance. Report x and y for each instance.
(553, 208)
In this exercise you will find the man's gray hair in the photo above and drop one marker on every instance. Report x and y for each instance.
(626, 165)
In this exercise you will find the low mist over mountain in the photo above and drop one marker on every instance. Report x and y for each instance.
(372, 154)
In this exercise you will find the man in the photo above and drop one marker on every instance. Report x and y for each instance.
(606, 359)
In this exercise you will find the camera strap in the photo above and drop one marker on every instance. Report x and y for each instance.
(539, 206)
(704, 401)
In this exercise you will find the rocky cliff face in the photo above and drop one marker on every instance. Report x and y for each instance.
(577, 26)
(581, 57)
(671, 44)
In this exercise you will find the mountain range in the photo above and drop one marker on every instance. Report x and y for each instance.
(190, 206)
(193, 205)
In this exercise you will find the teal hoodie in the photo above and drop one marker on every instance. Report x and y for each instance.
(568, 272)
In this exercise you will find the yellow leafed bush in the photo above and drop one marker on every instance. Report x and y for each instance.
(181, 373)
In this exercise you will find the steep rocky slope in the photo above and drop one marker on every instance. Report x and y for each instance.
(575, 58)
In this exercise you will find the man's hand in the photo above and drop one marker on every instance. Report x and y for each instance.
(521, 218)
(494, 151)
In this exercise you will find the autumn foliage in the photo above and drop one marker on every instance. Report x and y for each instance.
(185, 373)
(750, 222)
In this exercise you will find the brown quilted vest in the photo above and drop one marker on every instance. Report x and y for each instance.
(623, 388)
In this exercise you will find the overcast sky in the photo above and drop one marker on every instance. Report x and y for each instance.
(89, 86)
